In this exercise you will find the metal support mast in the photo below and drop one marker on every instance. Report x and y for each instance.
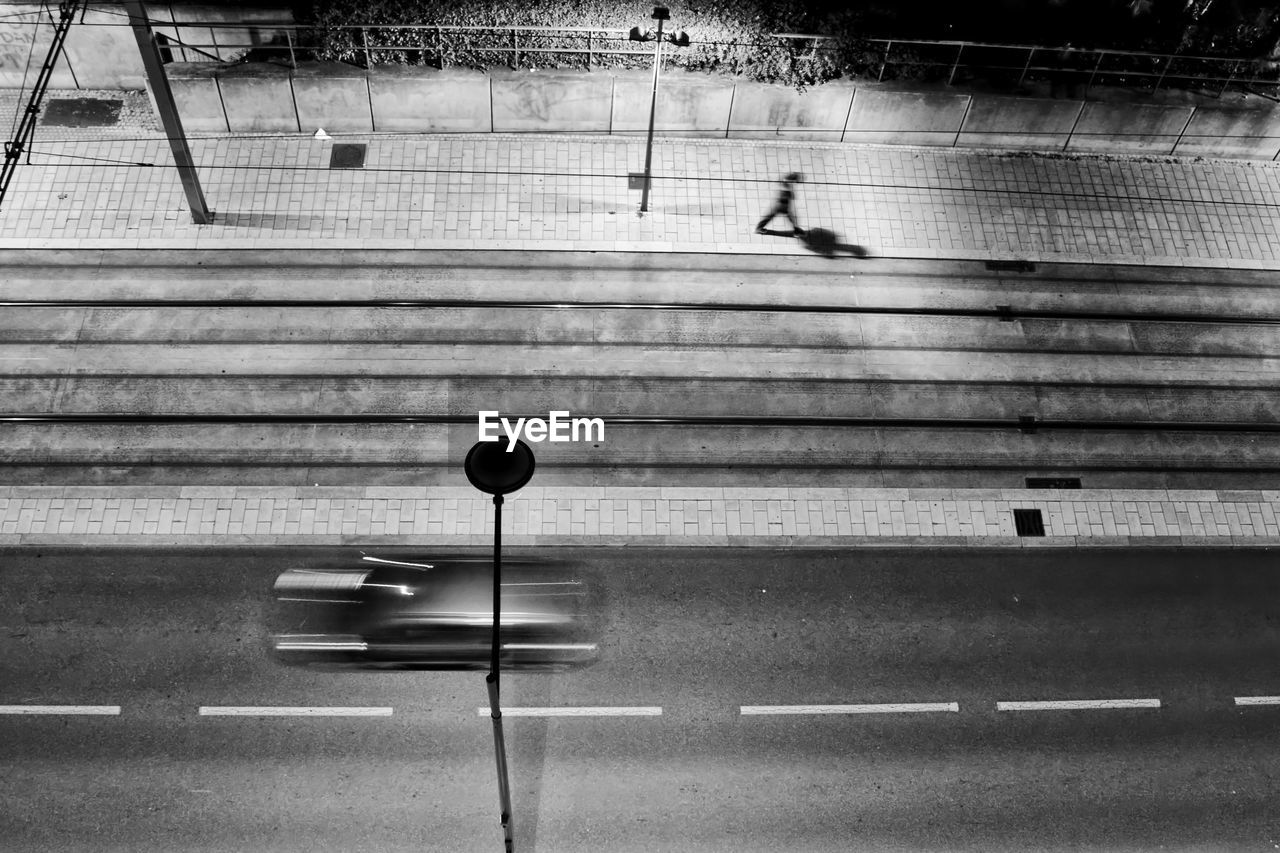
(14, 148)
(200, 213)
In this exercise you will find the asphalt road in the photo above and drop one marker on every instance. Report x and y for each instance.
(702, 635)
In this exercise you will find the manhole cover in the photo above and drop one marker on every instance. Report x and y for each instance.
(347, 155)
(1053, 482)
(82, 112)
(1028, 522)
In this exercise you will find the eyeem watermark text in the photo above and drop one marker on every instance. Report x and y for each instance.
(557, 427)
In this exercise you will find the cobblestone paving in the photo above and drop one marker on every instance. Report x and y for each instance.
(571, 192)
(637, 515)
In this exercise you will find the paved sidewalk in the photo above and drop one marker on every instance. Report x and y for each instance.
(105, 189)
(813, 517)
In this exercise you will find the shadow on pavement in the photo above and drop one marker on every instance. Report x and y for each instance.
(825, 242)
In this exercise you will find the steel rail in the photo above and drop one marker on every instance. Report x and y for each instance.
(1026, 423)
(1000, 312)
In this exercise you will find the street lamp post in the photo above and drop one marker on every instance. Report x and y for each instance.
(660, 14)
(494, 471)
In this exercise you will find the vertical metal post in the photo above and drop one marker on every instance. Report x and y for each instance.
(589, 56)
(1096, 66)
(653, 108)
(1160, 79)
(884, 61)
(1023, 76)
(495, 711)
(955, 65)
(200, 213)
(1235, 68)
(293, 60)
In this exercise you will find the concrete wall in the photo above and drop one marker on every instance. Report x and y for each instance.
(417, 99)
(1224, 132)
(906, 118)
(98, 56)
(1022, 123)
(1123, 128)
(688, 104)
(199, 99)
(269, 97)
(333, 96)
(567, 100)
(761, 111)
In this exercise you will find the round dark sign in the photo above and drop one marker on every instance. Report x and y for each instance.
(494, 470)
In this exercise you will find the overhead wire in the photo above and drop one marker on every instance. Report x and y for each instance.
(848, 184)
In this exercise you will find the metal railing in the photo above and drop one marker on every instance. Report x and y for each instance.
(952, 62)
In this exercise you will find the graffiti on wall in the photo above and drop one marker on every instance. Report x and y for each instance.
(16, 39)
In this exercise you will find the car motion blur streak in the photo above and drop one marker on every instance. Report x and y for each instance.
(434, 614)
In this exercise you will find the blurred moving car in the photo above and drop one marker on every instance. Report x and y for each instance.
(409, 613)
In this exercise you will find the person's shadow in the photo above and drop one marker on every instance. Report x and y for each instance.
(825, 242)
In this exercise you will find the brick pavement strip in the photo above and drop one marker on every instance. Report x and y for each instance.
(765, 517)
(897, 201)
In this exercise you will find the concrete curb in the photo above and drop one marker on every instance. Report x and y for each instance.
(209, 243)
(512, 541)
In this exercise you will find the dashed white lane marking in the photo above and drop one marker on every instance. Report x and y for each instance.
(885, 708)
(1258, 700)
(105, 710)
(282, 711)
(1078, 705)
(577, 712)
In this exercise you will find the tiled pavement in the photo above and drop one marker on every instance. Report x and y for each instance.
(104, 189)
(117, 188)
(815, 517)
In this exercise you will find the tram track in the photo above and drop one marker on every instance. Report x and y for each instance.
(1024, 424)
(999, 312)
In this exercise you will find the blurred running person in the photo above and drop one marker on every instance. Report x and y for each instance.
(783, 206)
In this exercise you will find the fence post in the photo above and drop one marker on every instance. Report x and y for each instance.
(1235, 66)
(1167, 66)
(364, 33)
(293, 60)
(885, 60)
(955, 65)
(440, 48)
(1023, 76)
(1094, 74)
(515, 50)
(589, 51)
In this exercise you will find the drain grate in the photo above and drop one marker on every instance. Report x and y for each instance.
(347, 155)
(1011, 266)
(1028, 522)
(1053, 482)
(82, 112)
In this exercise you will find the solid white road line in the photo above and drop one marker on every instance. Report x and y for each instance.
(1258, 700)
(1078, 705)
(892, 708)
(281, 711)
(107, 710)
(576, 712)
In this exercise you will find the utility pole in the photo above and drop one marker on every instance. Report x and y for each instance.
(200, 213)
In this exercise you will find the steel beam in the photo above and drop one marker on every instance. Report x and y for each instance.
(200, 213)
